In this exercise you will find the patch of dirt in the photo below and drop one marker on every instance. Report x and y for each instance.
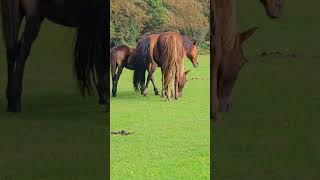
(280, 54)
(121, 133)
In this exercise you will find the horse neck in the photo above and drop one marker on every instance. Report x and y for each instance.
(226, 17)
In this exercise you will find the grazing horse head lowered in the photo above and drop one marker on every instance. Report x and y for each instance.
(228, 56)
(232, 62)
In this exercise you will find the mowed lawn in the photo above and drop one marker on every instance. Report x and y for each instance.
(171, 140)
(272, 132)
(58, 135)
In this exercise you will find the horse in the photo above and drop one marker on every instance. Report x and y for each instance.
(169, 51)
(228, 57)
(89, 17)
(119, 59)
(146, 47)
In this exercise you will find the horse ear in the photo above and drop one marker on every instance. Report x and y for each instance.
(185, 73)
(247, 34)
(195, 43)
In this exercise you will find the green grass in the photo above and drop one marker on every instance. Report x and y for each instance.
(273, 129)
(58, 135)
(171, 140)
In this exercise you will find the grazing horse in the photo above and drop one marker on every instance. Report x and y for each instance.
(228, 55)
(146, 47)
(169, 51)
(119, 59)
(89, 17)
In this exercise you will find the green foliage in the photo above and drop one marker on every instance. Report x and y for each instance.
(130, 19)
(157, 14)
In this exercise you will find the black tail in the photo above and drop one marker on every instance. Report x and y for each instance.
(10, 21)
(90, 47)
(142, 52)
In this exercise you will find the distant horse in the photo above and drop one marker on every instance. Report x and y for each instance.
(228, 56)
(88, 16)
(169, 51)
(119, 59)
(146, 48)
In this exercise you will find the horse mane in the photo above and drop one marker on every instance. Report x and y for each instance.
(90, 47)
(188, 43)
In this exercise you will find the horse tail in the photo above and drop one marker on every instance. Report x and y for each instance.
(170, 56)
(140, 66)
(90, 49)
(10, 21)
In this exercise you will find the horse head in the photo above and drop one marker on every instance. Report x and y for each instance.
(232, 62)
(192, 54)
(182, 82)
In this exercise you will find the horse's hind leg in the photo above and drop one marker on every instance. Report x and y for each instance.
(116, 79)
(30, 33)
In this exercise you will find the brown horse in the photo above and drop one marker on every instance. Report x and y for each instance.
(228, 55)
(169, 51)
(89, 17)
(119, 59)
(146, 48)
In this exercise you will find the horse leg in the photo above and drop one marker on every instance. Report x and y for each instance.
(30, 33)
(114, 76)
(12, 49)
(156, 91)
(102, 74)
(176, 83)
(162, 85)
(116, 79)
(151, 70)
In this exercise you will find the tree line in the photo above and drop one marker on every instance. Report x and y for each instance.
(132, 18)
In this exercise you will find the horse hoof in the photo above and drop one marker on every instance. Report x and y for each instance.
(156, 93)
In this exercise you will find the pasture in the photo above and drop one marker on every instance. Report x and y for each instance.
(58, 135)
(170, 140)
(273, 129)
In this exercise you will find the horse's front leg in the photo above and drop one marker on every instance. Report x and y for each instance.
(30, 33)
(156, 91)
(151, 69)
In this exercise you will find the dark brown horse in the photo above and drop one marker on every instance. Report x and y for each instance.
(228, 56)
(119, 59)
(88, 16)
(146, 47)
(169, 52)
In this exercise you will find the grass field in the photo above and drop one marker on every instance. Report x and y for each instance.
(171, 140)
(272, 132)
(58, 135)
